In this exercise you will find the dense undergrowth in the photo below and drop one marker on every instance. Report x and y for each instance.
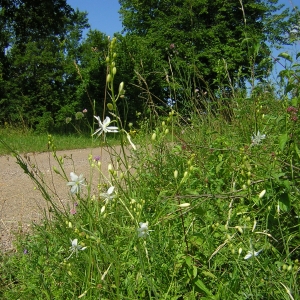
(204, 207)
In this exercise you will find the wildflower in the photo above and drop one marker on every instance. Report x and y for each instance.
(257, 138)
(96, 158)
(103, 127)
(172, 46)
(76, 183)
(25, 251)
(131, 143)
(68, 120)
(252, 253)
(294, 118)
(84, 111)
(75, 247)
(79, 115)
(109, 195)
(143, 231)
(73, 211)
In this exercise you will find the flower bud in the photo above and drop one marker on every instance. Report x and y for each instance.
(114, 70)
(108, 78)
(240, 251)
(183, 205)
(167, 131)
(107, 59)
(153, 138)
(115, 55)
(110, 106)
(175, 174)
(261, 194)
(239, 228)
(121, 87)
(55, 170)
(102, 209)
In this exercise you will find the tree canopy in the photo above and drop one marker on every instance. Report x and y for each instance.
(208, 35)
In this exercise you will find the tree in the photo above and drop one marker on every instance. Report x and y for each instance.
(38, 53)
(211, 40)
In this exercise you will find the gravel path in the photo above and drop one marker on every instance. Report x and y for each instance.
(21, 203)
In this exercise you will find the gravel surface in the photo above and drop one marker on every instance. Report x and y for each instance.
(21, 203)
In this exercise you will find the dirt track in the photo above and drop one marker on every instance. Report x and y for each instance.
(20, 203)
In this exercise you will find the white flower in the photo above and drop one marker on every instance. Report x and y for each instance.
(75, 247)
(143, 231)
(131, 143)
(109, 195)
(103, 127)
(252, 253)
(76, 182)
(257, 138)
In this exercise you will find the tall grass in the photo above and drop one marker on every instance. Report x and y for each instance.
(206, 207)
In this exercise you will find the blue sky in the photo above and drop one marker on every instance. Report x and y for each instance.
(102, 14)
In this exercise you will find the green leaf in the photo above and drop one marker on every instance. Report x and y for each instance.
(289, 87)
(297, 150)
(282, 141)
(295, 102)
(202, 287)
(209, 274)
(285, 56)
(297, 55)
(219, 166)
(284, 202)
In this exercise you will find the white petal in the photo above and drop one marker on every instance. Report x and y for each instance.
(249, 255)
(74, 189)
(131, 143)
(97, 131)
(112, 129)
(99, 121)
(106, 122)
(110, 190)
(73, 176)
(74, 243)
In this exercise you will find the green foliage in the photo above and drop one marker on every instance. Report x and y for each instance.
(37, 83)
(204, 33)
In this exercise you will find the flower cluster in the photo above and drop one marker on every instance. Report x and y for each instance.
(293, 111)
